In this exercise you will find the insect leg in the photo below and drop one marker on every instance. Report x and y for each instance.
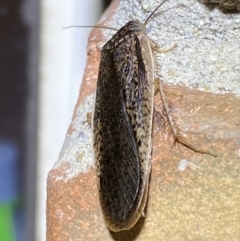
(160, 51)
(175, 129)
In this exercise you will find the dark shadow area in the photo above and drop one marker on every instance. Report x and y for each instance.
(13, 98)
(106, 3)
(224, 6)
(13, 91)
(15, 42)
(129, 235)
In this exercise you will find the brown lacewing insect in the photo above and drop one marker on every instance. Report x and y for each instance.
(122, 124)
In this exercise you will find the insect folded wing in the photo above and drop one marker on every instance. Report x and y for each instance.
(115, 149)
(122, 130)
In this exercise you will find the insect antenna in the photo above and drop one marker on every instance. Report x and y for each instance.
(154, 12)
(83, 26)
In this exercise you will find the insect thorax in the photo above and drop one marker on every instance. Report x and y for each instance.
(127, 31)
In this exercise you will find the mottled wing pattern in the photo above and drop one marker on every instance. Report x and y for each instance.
(118, 167)
(122, 129)
(138, 94)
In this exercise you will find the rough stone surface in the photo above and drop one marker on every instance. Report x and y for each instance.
(192, 196)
